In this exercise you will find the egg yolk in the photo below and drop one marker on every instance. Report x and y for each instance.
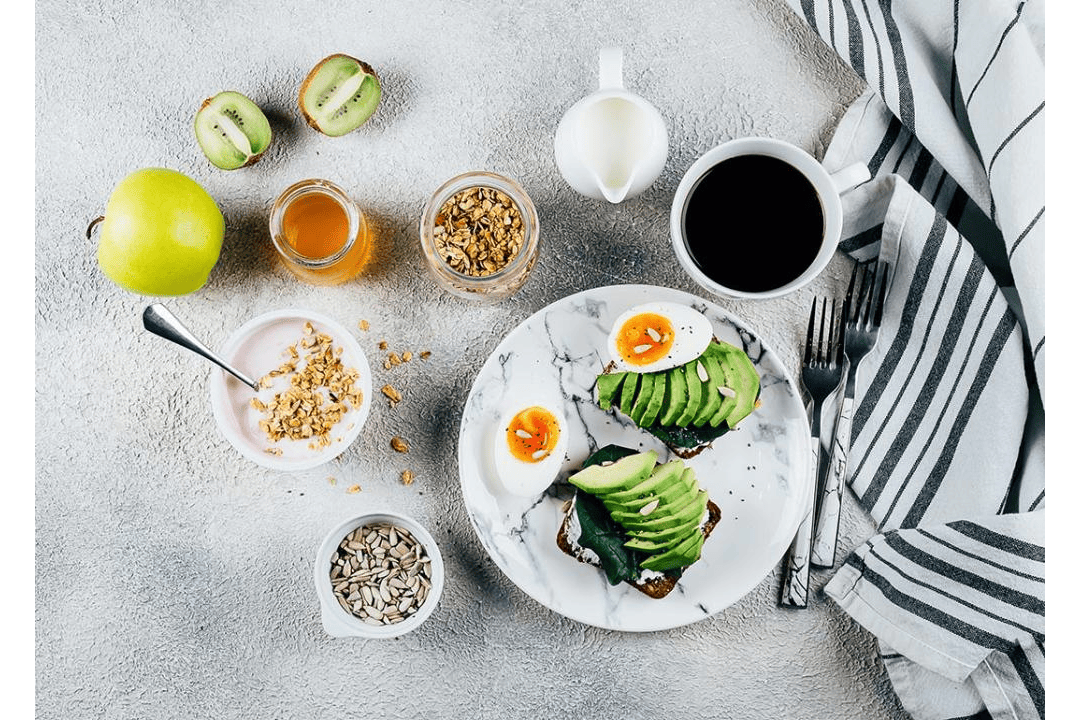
(532, 434)
(645, 338)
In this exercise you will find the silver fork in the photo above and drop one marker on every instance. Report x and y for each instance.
(821, 373)
(863, 310)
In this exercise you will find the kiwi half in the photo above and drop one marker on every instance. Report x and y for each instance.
(232, 131)
(339, 95)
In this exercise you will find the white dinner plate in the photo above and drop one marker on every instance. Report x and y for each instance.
(757, 474)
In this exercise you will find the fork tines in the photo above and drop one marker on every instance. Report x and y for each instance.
(821, 349)
(871, 279)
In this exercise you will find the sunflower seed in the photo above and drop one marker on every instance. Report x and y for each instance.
(701, 373)
(522, 433)
(647, 510)
(726, 391)
(638, 349)
(653, 334)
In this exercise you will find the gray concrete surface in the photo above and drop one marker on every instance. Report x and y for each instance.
(173, 576)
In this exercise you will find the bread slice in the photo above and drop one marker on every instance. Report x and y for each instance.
(655, 585)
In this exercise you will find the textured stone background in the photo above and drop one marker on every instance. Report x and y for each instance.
(173, 577)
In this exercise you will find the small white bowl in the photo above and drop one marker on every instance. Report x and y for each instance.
(259, 346)
(337, 621)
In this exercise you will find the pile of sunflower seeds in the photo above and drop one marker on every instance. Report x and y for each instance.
(478, 231)
(381, 574)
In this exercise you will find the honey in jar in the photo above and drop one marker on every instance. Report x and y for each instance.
(320, 234)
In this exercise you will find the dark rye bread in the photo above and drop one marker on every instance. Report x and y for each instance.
(655, 588)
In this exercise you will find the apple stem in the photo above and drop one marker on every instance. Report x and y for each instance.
(93, 224)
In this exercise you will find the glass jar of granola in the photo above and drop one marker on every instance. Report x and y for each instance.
(479, 235)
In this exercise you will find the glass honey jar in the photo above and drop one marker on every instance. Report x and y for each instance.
(320, 234)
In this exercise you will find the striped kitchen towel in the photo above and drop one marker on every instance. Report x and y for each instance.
(947, 438)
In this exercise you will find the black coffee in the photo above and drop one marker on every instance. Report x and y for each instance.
(753, 223)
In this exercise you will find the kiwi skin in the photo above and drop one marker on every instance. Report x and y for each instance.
(311, 121)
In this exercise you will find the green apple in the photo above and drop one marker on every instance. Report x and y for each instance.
(161, 234)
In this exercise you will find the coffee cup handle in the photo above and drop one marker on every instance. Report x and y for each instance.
(847, 178)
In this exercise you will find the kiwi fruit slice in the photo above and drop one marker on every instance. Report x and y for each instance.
(232, 131)
(339, 95)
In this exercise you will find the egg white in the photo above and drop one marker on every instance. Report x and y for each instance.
(528, 479)
(693, 333)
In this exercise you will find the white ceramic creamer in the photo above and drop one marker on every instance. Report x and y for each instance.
(612, 144)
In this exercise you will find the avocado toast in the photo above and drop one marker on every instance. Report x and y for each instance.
(642, 523)
(688, 406)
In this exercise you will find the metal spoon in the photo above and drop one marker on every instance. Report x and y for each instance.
(158, 320)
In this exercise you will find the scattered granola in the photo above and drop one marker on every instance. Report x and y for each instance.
(332, 480)
(303, 411)
(407, 477)
(394, 359)
(479, 231)
(425, 354)
(352, 489)
(406, 356)
(364, 325)
(391, 392)
(273, 451)
(399, 444)
(383, 345)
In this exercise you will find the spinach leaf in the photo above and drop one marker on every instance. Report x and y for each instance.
(606, 453)
(599, 532)
(605, 537)
(688, 437)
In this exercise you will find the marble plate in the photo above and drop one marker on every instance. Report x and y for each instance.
(758, 474)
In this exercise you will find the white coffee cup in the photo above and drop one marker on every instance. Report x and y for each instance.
(829, 187)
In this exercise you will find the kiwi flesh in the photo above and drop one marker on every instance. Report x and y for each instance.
(232, 131)
(339, 95)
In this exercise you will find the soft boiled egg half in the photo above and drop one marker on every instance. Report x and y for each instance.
(530, 445)
(658, 336)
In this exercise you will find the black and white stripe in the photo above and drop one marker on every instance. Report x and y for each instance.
(951, 129)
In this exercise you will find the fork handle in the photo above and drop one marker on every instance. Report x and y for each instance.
(823, 553)
(795, 591)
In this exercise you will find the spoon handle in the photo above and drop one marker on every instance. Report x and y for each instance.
(158, 320)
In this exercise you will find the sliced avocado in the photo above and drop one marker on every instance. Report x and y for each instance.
(693, 394)
(655, 547)
(727, 404)
(666, 482)
(679, 530)
(746, 384)
(659, 392)
(689, 507)
(710, 394)
(629, 389)
(685, 553)
(620, 475)
(675, 400)
(644, 395)
(607, 386)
